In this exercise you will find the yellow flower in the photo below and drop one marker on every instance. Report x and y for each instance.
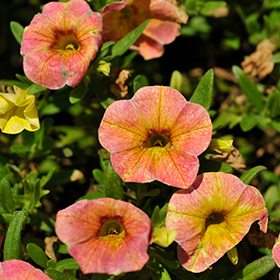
(221, 145)
(18, 112)
(164, 237)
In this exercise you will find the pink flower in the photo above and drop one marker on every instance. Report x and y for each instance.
(157, 135)
(17, 269)
(276, 252)
(212, 217)
(105, 235)
(119, 18)
(59, 44)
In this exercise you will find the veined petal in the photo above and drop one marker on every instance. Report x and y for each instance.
(160, 110)
(91, 241)
(228, 208)
(17, 269)
(192, 131)
(163, 32)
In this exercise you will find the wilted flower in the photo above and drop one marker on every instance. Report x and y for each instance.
(105, 235)
(17, 269)
(59, 44)
(157, 135)
(18, 112)
(119, 18)
(212, 217)
(258, 63)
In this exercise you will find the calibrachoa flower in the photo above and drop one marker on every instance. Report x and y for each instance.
(119, 18)
(157, 135)
(18, 112)
(212, 217)
(17, 269)
(105, 235)
(59, 44)
(276, 252)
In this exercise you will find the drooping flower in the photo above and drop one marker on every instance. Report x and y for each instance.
(157, 135)
(18, 112)
(17, 269)
(212, 217)
(119, 18)
(60, 43)
(105, 235)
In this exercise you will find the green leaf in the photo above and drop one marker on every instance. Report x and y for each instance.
(176, 80)
(37, 254)
(155, 217)
(275, 58)
(6, 196)
(140, 81)
(113, 183)
(35, 198)
(14, 83)
(79, 92)
(36, 88)
(249, 88)
(45, 179)
(124, 44)
(98, 176)
(256, 269)
(208, 165)
(17, 30)
(250, 174)
(12, 240)
(67, 264)
(203, 93)
(17, 148)
(273, 104)
(249, 121)
(55, 275)
(91, 196)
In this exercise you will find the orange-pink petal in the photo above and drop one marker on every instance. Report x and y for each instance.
(201, 244)
(17, 269)
(59, 44)
(79, 225)
(128, 125)
(276, 252)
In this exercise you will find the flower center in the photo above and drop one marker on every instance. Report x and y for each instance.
(214, 219)
(110, 227)
(157, 140)
(67, 43)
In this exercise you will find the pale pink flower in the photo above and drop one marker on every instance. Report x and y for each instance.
(60, 43)
(105, 235)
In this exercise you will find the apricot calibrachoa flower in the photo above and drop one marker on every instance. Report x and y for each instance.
(119, 18)
(59, 44)
(157, 135)
(105, 235)
(276, 252)
(18, 112)
(212, 217)
(17, 269)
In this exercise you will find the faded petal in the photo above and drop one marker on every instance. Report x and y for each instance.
(79, 226)
(59, 44)
(201, 244)
(17, 269)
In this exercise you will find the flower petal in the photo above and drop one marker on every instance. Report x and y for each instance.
(202, 244)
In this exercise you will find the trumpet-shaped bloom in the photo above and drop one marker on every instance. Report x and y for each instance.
(119, 18)
(18, 112)
(59, 44)
(105, 235)
(212, 217)
(17, 269)
(157, 135)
